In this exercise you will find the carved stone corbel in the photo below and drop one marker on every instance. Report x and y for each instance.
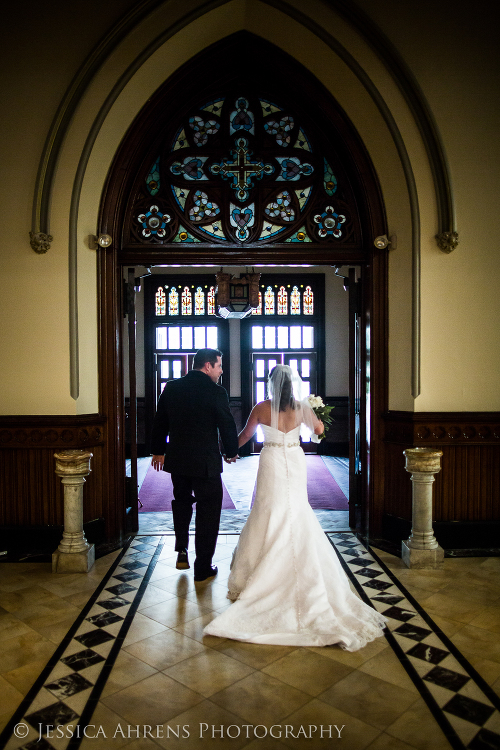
(447, 241)
(40, 242)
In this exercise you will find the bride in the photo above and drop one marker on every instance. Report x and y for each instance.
(286, 581)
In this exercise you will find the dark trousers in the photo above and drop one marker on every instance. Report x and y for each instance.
(207, 494)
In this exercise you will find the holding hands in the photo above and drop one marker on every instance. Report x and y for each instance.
(157, 462)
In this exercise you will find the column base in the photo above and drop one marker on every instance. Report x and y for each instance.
(421, 558)
(73, 562)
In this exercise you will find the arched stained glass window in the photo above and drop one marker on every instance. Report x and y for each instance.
(295, 302)
(258, 310)
(282, 301)
(269, 301)
(173, 302)
(308, 301)
(160, 302)
(211, 300)
(199, 302)
(187, 301)
(241, 168)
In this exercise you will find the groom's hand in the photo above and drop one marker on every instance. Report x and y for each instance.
(230, 460)
(157, 462)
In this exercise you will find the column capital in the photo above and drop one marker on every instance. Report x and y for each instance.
(73, 463)
(423, 460)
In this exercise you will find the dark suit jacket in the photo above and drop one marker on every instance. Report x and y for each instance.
(193, 411)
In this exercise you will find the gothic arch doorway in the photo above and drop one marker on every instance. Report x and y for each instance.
(243, 158)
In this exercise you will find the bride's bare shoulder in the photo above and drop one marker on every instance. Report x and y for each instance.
(263, 406)
(262, 410)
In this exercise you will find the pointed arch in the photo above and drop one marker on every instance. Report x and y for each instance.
(266, 71)
(326, 156)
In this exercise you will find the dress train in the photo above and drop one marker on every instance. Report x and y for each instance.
(286, 581)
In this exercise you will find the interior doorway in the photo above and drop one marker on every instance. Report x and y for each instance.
(320, 360)
(248, 172)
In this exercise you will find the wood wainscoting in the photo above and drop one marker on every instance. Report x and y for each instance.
(467, 489)
(31, 494)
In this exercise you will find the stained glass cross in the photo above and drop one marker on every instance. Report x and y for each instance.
(241, 169)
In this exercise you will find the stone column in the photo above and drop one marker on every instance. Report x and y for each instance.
(74, 554)
(421, 550)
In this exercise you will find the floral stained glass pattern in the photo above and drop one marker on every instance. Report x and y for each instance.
(292, 168)
(242, 219)
(173, 302)
(241, 118)
(241, 168)
(186, 301)
(269, 301)
(190, 168)
(329, 222)
(280, 129)
(308, 301)
(211, 301)
(202, 129)
(202, 208)
(282, 301)
(281, 207)
(199, 301)
(160, 302)
(295, 301)
(153, 222)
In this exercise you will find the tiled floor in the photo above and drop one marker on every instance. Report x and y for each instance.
(125, 648)
(232, 521)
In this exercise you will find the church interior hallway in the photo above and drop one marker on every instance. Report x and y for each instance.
(123, 646)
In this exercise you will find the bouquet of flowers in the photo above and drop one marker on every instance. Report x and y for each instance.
(322, 412)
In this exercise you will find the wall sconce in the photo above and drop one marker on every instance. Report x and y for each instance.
(382, 241)
(103, 240)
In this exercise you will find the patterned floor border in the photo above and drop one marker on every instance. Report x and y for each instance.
(466, 708)
(69, 688)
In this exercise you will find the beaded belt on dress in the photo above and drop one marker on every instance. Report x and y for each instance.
(269, 444)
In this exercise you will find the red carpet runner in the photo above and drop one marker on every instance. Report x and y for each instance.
(324, 492)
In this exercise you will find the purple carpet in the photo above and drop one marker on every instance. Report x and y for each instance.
(323, 491)
(156, 493)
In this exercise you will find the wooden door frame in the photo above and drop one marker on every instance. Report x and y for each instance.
(374, 316)
(145, 136)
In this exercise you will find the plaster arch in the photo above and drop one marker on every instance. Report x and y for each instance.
(364, 89)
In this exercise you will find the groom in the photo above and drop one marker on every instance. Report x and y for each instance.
(194, 411)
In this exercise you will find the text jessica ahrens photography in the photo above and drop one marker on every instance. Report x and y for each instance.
(202, 731)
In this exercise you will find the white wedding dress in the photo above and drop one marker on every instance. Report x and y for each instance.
(286, 581)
